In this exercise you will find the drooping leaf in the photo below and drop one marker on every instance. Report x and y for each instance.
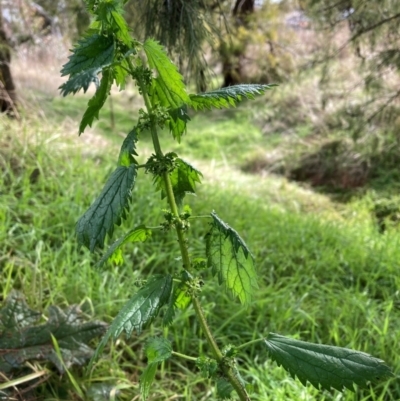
(183, 179)
(22, 339)
(325, 366)
(140, 310)
(227, 97)
(169, 87)
(121, 73)
(230, 258)
(138, 234)
(128, 149)
(146, 379)
(97, 101)
(158, 349)
(89, 57)
(80, 81)
(177, 122)
(108, 209)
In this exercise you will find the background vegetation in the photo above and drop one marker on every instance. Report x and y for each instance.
(308, 175)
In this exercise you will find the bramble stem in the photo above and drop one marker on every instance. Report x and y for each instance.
(229, 372)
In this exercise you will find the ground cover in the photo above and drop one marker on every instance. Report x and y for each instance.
(329, 274)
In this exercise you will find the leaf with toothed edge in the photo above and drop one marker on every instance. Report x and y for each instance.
(89, 57)
(325, 366)
(108, 209)
(168, 88)
(227, 97)
(138, 234)
(230, 258)
(183, 178)
(128, 149)
(96, 103)
(140, 310)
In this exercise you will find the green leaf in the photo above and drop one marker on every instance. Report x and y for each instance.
(110, 13)
(80, 81)
(182, 299)
(325, 366)
(147, 378)
(89, 57)
(224, 389)
(227, 97)
(183, 179)
(158, 349)
(208, 366)
(138, 234)
(97, 101)
(229, 256)
(128, 149)
(23, 340)
(168, 84)
(177, 122)
(140, 310)
(108, 209)
(122, 30)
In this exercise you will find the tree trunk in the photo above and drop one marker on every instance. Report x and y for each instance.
(232, 59)
(8, 97)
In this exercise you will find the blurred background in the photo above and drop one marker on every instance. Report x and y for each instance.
(308, 174)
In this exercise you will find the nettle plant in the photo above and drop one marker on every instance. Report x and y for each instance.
(107, 54)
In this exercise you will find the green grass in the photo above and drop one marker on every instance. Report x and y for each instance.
(326, 273)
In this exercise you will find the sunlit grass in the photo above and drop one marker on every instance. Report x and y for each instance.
(326, 273)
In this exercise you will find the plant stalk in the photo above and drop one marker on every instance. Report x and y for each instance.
(229, 372)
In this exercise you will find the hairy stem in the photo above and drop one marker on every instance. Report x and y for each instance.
(229, 372)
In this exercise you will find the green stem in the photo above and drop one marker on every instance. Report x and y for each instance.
(229, 372)
(250, 342)
(189, 358)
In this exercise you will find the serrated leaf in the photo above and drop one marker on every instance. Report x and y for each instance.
(128, 149)
(80, 81)
(169, 85)
(140, 310)
(89, 57)
(230, 258)
(110, 13)
(16, 313)
(224, 389)
(146, 379)
(208, 366)
(325, 366)
(122, 30)
(121, 73)
(97, 101)
(108, 209)
(183, 180)
(138, 234)
(22, 339)
(182, 299)
(158, 349)
(227, 97)
(177, 122)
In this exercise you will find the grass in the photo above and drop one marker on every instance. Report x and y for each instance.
(326, 272)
